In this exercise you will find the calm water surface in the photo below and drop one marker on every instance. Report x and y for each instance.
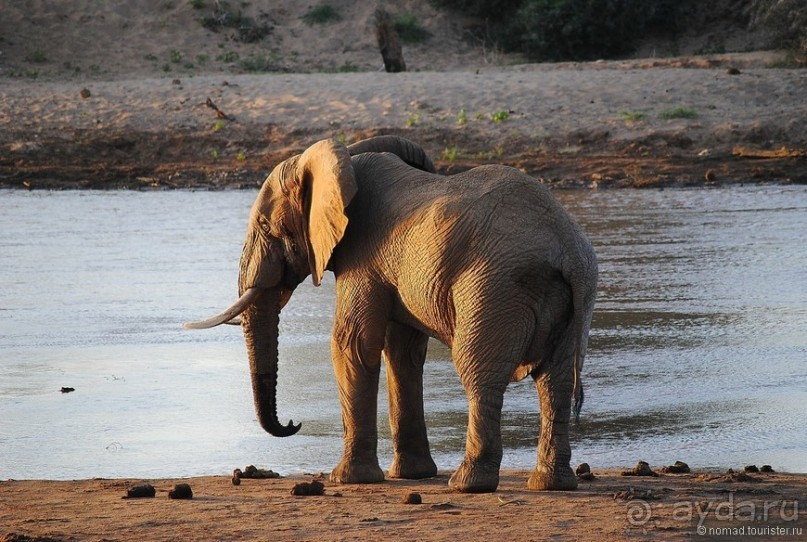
(698, 352)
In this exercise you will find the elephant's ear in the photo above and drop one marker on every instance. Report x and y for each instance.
(328, 185)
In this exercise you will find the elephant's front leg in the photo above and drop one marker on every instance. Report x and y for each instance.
(360, 323)
(358, 393)
(405, 352)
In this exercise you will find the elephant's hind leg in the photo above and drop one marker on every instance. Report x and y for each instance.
(487, 349)
(405, 352)
(554, 382)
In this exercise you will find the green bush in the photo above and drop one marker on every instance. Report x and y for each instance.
(787, 21)
(572, 29)
(491, 9)
(321, 14)
(409, 29)
(578, 29)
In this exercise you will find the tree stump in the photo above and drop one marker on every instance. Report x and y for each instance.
(388, 42)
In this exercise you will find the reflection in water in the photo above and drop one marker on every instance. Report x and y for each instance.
(697, 351)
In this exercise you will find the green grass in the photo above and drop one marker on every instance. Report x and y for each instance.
(347, 67)
(450, 154)
(678, 113)
(36, 57)
(175, 55)
(257, 64)
(499, 117)
(228, 57)
(413, 119)
(321, 14)
(409, 29)
(631, 116)
(462, 117)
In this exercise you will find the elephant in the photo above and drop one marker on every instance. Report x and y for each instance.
(486, 261)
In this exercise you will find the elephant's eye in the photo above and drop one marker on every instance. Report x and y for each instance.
(265, 226)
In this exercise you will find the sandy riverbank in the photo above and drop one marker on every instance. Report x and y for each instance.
(612, 507)
(594, 124)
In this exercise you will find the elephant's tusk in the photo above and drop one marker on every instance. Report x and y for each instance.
(246, 299)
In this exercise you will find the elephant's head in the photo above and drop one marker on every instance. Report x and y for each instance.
(296, 222)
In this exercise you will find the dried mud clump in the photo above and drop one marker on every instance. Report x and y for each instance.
(678, 468)
(181, 491)
(412, 498)
(583, 472)
(314, 487)
(141, 491)
(642, 468)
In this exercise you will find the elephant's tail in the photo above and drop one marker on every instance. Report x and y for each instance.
(584, 291)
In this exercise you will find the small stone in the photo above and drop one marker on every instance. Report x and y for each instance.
(710, 176)
(583, 472)
(412, 498)
(642, 468)
(678, 468)
(308, 488)
(236, 480)
(733, 71)
(176, 82)
(140, 491)
(85, 93)
(67, 389)
(251, 471)
(181, 491)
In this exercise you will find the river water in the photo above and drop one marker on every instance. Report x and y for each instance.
(698, 350)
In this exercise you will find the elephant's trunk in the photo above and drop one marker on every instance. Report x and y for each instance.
(260, 324)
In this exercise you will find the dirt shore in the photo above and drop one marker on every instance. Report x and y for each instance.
(686, 121)
(611, 507)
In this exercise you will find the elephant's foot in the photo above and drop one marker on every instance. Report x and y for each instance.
(559, 479)
(355, 472)
(412, 467)
(473, 478)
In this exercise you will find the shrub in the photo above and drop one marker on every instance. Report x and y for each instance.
(572, 29)
(258, 64)
(787, 20)
(678, 113)
(321, 14)
(223, 16)
(579, 29)
(409, 29)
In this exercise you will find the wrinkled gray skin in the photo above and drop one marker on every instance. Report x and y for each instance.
(486, 261)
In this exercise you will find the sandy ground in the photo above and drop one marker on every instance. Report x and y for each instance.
(598, 124)
(612, 507)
